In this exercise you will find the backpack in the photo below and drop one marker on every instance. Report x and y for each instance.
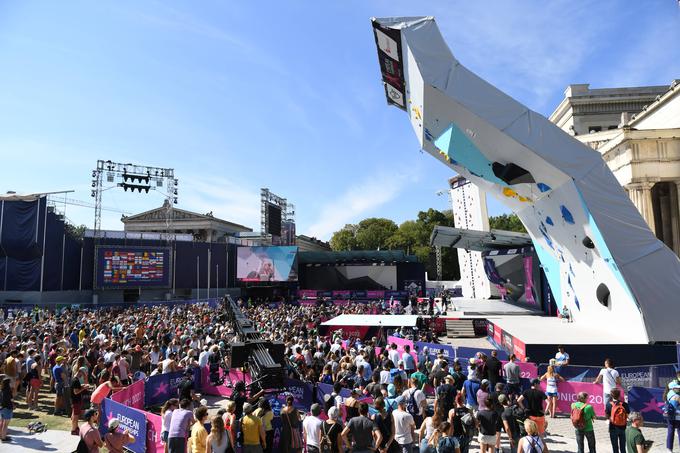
(618, 416)
(411, 405)
(669, 410)
(325, 445)
(578, 418)
(446, 445)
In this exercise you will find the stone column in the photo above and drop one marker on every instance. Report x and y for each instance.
(641, 196)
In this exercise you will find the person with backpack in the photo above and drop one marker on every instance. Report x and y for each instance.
(509, 420)
(462, 425)
(331, 430)
(383, 421)
(415, 402)
(672, 413)
(90, 438)
(582, 416)
(617, 412)
(532, 442)
(443, 441)
(429, 427)
(446, 394)
(403, 427)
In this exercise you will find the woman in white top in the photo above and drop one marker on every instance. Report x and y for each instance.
(532, 439)
(166, 414)
(551, 378)
(218, 439)
(428, 428)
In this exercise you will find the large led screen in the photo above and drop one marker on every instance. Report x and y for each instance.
(267, 264)
(120, 267)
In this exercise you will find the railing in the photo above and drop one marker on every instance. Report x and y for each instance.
(651, 376)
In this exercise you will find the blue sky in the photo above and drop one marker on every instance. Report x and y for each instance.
(238, 95)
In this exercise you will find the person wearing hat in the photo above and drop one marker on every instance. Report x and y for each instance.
(59, 376)
(115, 439)
(77, 390)
(254, 439)
(89, 433)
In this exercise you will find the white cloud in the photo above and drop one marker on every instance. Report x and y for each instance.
(359, 199)
(227, 199)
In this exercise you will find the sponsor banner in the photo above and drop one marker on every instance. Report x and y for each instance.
(519, 349)
(361, 332)
(400, 342)
(301, 391)
(527, 370)
(341, 303)
(649, 402)
(434, 349)
(154, 427)
(342, 294)
(324, 293)
(162, 387)
(529, 279)
(567, 393)
(463, 351)
(381, 295)
(131, 419)
(307, 293)
(131, 396)
(359, 294)
(479, 325)
(308, 303)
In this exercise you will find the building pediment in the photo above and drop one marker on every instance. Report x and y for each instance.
(162, 213)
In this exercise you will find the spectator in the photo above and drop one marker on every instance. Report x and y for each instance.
(462, 424)
(610, 379)
(166, 415)
(561, 359)
(89, 434)
(59, 376)
(487, 422)
(672, 413)
(409, 362)
(446, 443)
(199, 435)
(34, 378)
(551, 378)
(254, 440)
(331, 430)
(635, 441)
(470, 388)
(180, 421)
(509, 421)
(383, 420)
(311, 429)
(532, 400)
(483, 394)
(512, 374)
(365, 435)
(617, 412)
(587, 431)
(116, 440)
(493, 367)
(77, 391)
(291, 439)
(427, 429)
(416, 401)
(532, 442)
(6, 407)
(264, 412)
(218, 439)
(403, 427)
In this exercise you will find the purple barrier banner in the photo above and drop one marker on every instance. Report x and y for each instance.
(435, 348)
(375, 294)
(342, 294)
(162, 387)
(131, 419)
(131, 396)
(307, 293)
(649, 402)
(568, 393)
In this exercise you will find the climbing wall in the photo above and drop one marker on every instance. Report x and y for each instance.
(468, 204)
(600, 258)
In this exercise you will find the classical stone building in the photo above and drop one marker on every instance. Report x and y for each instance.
(204, 227)
(637, 131)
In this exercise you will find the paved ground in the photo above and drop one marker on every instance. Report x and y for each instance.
(50, 441)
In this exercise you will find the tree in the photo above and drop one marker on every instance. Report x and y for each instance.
(407, 237)
(507, 222)
(373, 233)
(344, 239)
(75, 231)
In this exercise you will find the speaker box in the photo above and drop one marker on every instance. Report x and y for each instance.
(239, 354)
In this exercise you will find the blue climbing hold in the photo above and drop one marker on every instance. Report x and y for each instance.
(543, 187)
(577, 304)
(566, 215)
(549, 221)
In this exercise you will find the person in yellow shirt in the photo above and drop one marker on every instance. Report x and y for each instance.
(81, 335)
(253, 431)
(199, 434)
(264, 412)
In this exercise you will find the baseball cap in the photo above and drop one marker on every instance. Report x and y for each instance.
(59, 358)
(502, 398)
(113, 423)
(247, 408)
(391, 390)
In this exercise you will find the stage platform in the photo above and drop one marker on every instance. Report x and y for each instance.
(483, 308)
(537, 338)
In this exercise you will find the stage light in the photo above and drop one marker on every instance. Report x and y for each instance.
(93, 193)
(94, 183)
(94, 174)
(176, 182)
(175, 191)
(174, 200)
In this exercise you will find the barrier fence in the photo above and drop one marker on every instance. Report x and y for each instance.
(650, 376)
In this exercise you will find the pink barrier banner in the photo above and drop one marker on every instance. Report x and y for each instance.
(400, 342)
(567, 393)
(309, 303)
(208, 388)
(375, 294)
(154, 425)
(131, 396)
(527, 370)
(341, 303)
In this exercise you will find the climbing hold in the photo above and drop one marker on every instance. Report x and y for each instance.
(549, 221)
(543, 187)
(566, 214)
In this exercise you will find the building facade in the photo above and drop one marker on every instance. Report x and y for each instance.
(637, 131)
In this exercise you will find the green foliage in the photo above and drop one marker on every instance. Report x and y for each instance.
(507, 222)
(412, 236)
(75, 231)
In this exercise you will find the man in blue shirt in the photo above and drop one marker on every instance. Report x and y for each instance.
(409, 362)
(59, 374)
(470, 393)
